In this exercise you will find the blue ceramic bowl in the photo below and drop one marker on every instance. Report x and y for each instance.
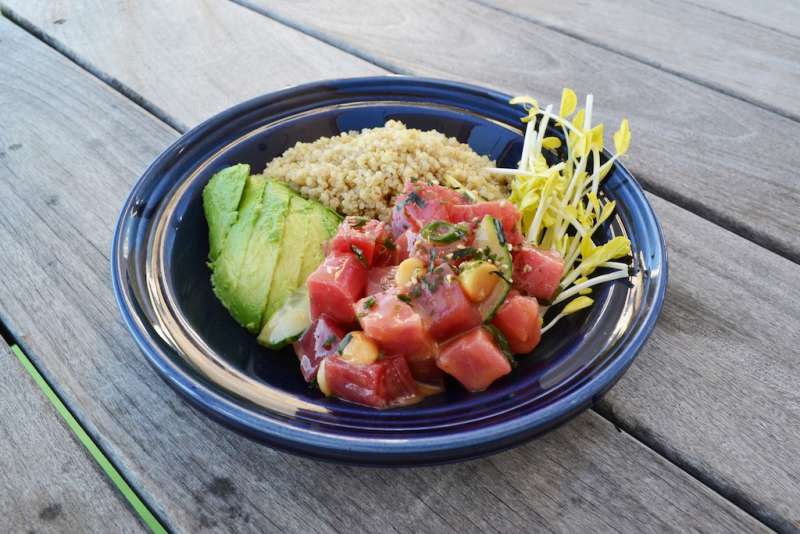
(161, 283)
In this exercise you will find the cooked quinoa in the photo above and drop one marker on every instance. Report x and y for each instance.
(361, 173)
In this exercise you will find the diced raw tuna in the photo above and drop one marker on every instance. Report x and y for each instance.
(440, 300)
(422, 203)
(537, 272)
(380, 384)
(518, 320)
(363, 237)
(502, 210)
(335, 286)
(380, 279)
(395, 325)
(473, 359)
(425, 370)
(320, 340)
(404, 244)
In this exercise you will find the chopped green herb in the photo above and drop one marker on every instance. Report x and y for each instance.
(502, 343)
(501, 235)
(389, 244)
(434, 279)
(432, 263)
(328, 343)
(404, 298)
(504, 277)
(416, 291)
(413, 198)
(359, 254)
(369, 303)
(464, 253)
(443, 232)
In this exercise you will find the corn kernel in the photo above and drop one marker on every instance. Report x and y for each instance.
(322, 381)
(408, 270)
(361, 349)
(478, 282)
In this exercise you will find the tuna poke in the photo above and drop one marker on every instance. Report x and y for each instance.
(397, 263)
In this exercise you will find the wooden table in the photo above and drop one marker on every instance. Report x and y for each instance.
(702, 433)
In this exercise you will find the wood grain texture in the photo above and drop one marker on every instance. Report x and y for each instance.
(780, 15)
(163, 51)
(716, 387)
(49, 482)
(729, 161)
(78, 148)
(734, 56)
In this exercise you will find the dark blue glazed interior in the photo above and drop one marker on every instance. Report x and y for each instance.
(575, 363)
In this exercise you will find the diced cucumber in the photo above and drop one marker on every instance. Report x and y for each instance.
(288, 323)
(489, 235)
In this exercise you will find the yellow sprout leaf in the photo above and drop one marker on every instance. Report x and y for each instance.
(583, 146)
(605, 167)
(577, 304)
(540, 165)
(587, 246)
(583, 280)
(529, 103)
(551, 143)
(577, 122)
(595, 202)
(571, 211)
(597, 137)
(608, 209)
(524, 100)
(569, 101)
(622, 138)
(619, 247)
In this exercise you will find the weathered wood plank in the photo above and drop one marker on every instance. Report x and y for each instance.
(781, 15)
(717, 387)
(49, 483)
(79, 146)
(734, 56)
(729, 161)
(164, 51)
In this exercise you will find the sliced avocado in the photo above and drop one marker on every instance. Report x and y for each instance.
(221, 198)
(255, 277)
(228, 265)
(293, 244)
(322, 225)
(288, 323)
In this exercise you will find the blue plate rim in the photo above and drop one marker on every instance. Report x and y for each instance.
(378, 451)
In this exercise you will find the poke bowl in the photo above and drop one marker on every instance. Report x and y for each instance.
(163, 285)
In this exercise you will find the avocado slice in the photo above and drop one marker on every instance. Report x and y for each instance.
(322, 225)
(293, 244)
(221, 198)
(227, 267)
(255, 277)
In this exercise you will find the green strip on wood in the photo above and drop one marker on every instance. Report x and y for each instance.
(147, 516)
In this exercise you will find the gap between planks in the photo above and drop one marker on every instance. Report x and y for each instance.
(686, 202)
(56, 401)
(643, 438)
(644, 61)
(740, 18)
(112, 82)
